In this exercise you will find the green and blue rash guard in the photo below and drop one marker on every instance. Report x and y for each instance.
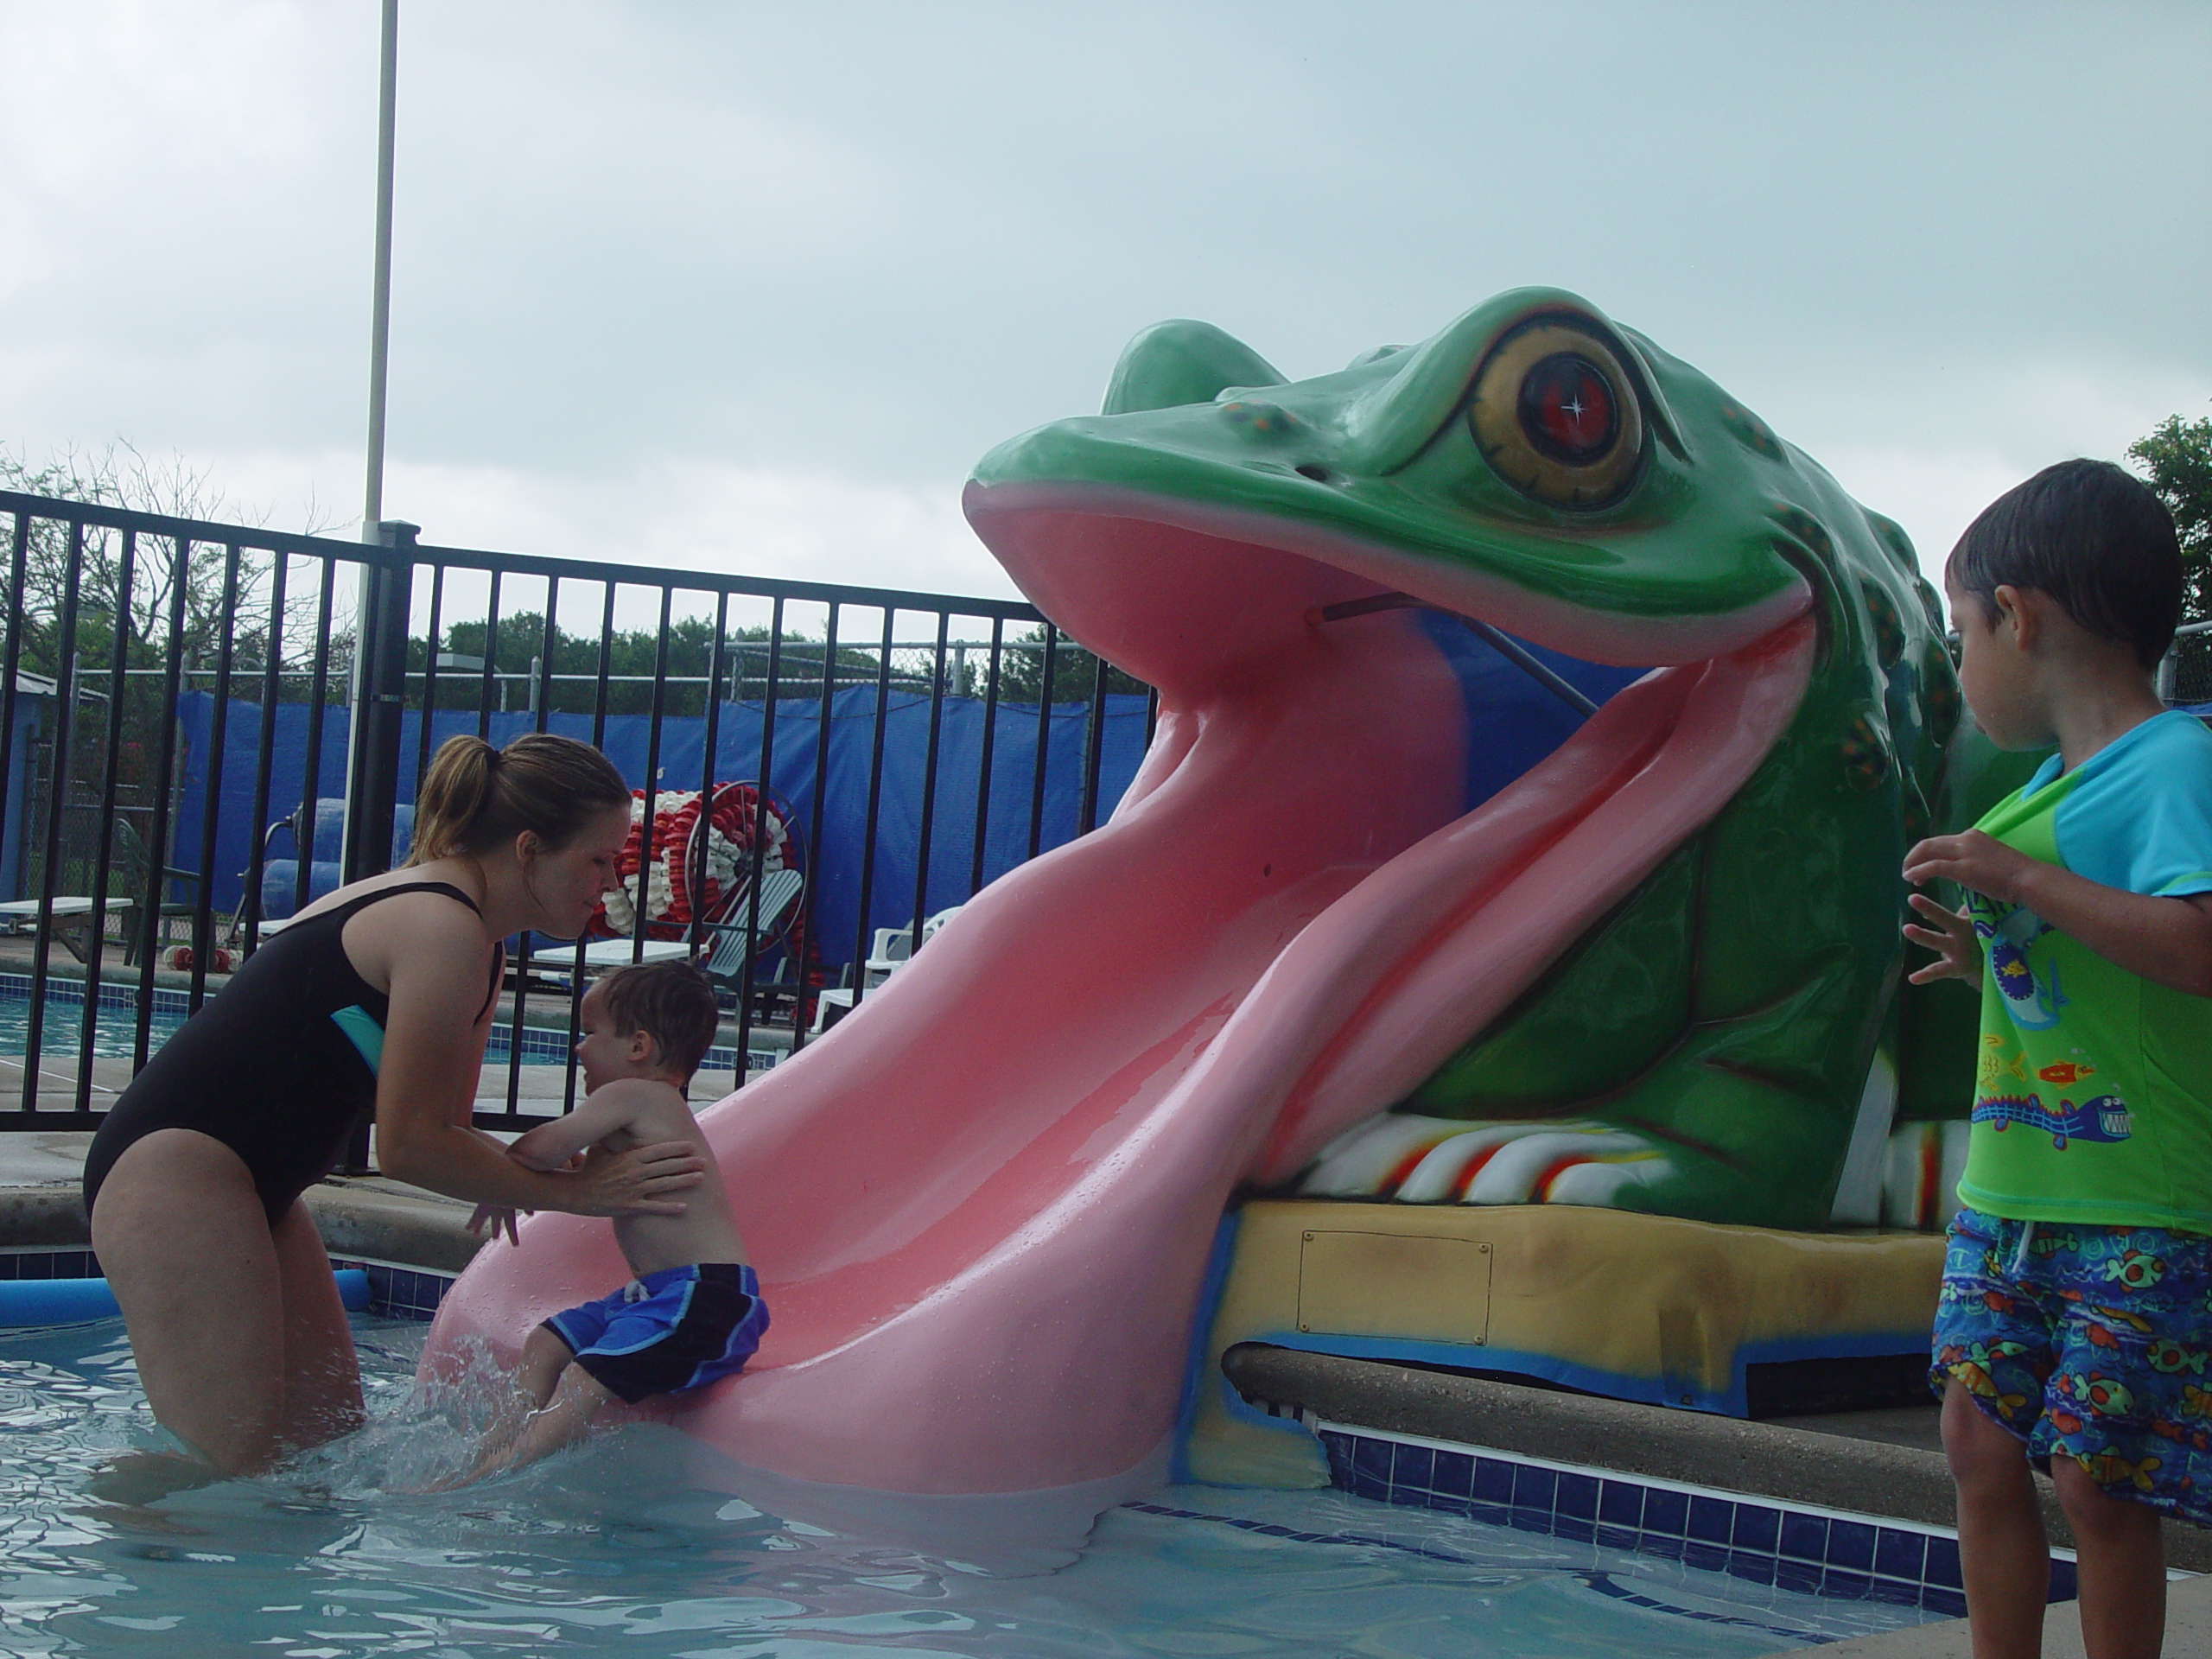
(2093, 1093)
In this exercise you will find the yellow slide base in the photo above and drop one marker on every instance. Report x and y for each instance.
(1637, 1307)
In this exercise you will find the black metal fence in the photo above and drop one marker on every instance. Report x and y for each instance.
(177, 695)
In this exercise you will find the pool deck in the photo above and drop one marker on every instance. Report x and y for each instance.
(1885, 1463)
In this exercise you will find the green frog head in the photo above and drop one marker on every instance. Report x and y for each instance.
(1677, 935)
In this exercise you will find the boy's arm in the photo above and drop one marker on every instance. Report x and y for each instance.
(2166, 941)
(550, 1145)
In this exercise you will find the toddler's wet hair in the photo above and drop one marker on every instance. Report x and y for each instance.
(672, 1003)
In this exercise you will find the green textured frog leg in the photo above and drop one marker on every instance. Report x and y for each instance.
(1705, 1052)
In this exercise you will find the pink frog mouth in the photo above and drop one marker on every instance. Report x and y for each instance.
(1456, 916)
(981, 1209)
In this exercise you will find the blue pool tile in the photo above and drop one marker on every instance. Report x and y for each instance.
(1951, 1604)
(1534, 1488)
(1337, 1448)
(1655, 1544)
(1900, 1555)
(1942, 1568)
(1666, 1511)
(1370, 1461)
(1710, 1557)
(1802, 1576)
(1851, 1546)
(1566, 1526)
(1494, 1515)
(1757, 1528)
(1711, 1520)
(1450, 1503)
(1622, 1503)
(1493, 1481)
(1616, 1537)
(1411, 1466)
(1851, 1586)
(1455, 1474)
(1895, 1592)
(1754, 1565)
(1523, 1520)
(2063, 1584)
(1578, 1497)
(1805, 1536)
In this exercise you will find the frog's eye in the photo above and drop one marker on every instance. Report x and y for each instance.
(1555, 413)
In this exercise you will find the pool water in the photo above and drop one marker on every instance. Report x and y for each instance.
(606, 1549)
(115, 1030)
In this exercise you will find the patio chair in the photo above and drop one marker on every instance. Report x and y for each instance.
(739, 938)
(134, 871)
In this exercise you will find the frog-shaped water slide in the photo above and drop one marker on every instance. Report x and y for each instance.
(1658, 977)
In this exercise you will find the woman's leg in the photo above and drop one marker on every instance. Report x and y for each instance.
(187, 1250)
(322, 1376)
(2003, 1554)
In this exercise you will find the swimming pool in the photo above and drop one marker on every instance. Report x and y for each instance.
(115, 1028)
(612, 1549)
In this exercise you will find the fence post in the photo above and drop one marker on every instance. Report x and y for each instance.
(372, 757)
(380, 695)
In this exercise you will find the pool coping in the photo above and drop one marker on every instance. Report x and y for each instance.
(1766, 1460)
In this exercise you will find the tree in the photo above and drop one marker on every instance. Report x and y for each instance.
(1075, 670)
(2176, 460)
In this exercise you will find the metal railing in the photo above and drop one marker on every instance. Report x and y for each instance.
(174, 692)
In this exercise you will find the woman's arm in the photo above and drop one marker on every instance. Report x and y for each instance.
(426, 1093)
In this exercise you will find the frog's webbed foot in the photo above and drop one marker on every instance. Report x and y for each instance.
(1415, 1160)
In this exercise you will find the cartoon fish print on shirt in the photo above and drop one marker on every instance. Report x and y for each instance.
(2033, 1006)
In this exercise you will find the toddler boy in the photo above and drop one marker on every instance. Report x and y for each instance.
(2074, 1323)
(693, 1311)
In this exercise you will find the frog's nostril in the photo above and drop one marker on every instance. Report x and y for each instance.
(1314, 470)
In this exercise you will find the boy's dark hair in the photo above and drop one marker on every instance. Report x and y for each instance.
(2093, 538)
(672, 1003)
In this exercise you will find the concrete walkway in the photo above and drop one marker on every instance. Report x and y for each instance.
(2188, 1632)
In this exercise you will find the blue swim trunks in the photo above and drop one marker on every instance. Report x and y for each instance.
(681, 1328)
(2092, 1342)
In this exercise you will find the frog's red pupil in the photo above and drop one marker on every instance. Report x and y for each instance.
(1567, 410)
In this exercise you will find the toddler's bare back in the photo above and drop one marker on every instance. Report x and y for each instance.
(704, 1232)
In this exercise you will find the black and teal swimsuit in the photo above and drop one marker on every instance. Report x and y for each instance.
(280, 1067)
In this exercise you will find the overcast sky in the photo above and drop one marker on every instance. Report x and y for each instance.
(751, 287)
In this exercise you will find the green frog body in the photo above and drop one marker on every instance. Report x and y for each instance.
(1728, 1036)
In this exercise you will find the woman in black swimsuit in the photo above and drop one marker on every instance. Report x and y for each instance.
(375, 1000)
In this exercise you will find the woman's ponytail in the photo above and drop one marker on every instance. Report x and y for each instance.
(474, 797)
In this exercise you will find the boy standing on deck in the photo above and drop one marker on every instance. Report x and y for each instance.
(693, 1311)
(2074, 1323)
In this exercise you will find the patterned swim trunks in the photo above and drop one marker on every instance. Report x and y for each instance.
(2092, 1342)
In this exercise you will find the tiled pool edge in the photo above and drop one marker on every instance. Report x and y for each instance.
(1797, 1547)
(396, 1290)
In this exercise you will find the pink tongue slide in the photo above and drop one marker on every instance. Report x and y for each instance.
(981, 1209)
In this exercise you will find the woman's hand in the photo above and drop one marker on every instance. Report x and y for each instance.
(642, 1181)
(502, 1220)
(1958, 952)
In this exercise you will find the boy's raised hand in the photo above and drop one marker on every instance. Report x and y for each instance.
(1958, 952)
(1973, 860)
